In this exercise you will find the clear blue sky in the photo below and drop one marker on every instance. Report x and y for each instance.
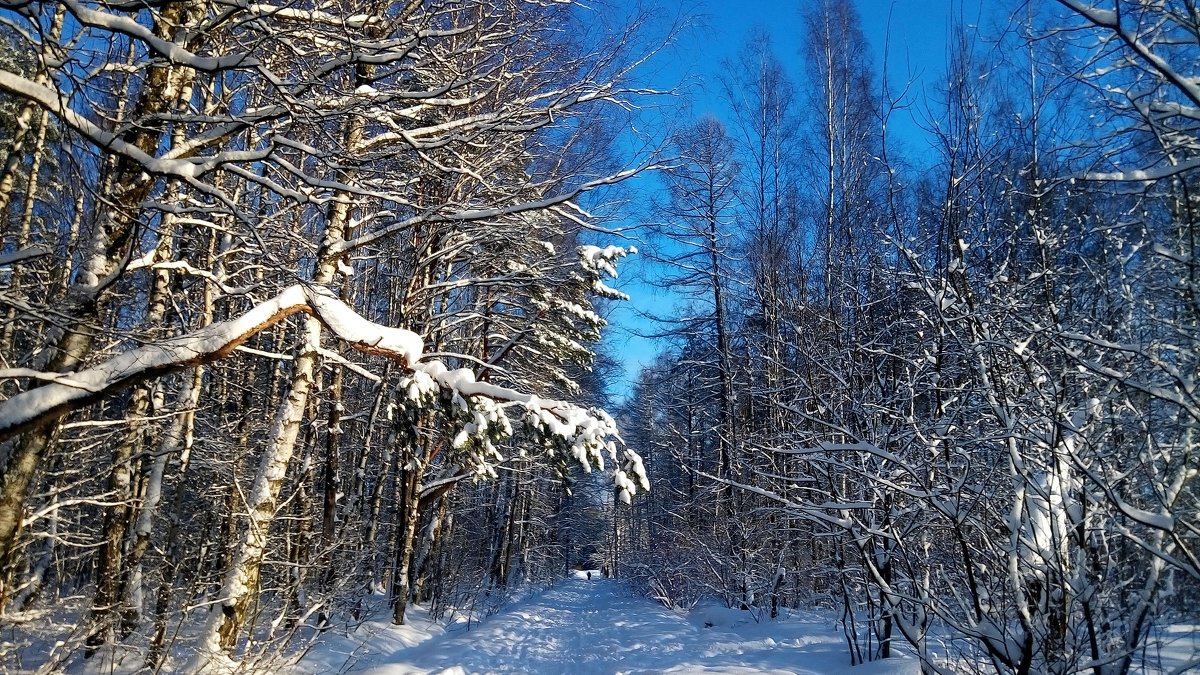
(914, 32)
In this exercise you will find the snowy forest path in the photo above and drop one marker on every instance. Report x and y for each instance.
(597, 626)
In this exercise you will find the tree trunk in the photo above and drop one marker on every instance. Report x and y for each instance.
(24, 118)
(331, 483)
(241, 580)
(409, 515)
(114, 590)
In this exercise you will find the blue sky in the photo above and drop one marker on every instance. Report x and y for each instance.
(914, 33)
(916, 47)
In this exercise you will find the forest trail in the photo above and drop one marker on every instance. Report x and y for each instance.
(596, 626)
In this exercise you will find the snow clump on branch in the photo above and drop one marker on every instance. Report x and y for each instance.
(602, 261)
(588, 435)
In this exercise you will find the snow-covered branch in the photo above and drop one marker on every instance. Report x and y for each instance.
(67, 392)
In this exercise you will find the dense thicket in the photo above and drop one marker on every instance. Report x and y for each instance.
(953, 398)
(291, 293)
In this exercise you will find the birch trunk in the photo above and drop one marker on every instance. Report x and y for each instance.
(115, 570)
(241, 580)
(23, 120)
(9, 339)
(240, 586)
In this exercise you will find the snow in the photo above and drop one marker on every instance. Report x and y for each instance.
(206, 343)
(596, 626)
(349, 326)
(591, 433)
(603, 259)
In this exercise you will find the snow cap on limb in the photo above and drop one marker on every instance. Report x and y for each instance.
(481, 412)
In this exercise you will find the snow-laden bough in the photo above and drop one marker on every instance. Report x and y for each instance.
(587, 435)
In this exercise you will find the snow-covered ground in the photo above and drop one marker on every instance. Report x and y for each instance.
(596, 626)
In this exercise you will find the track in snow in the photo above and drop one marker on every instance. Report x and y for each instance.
(595, 626)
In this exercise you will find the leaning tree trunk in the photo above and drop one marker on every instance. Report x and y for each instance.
(240, 587)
